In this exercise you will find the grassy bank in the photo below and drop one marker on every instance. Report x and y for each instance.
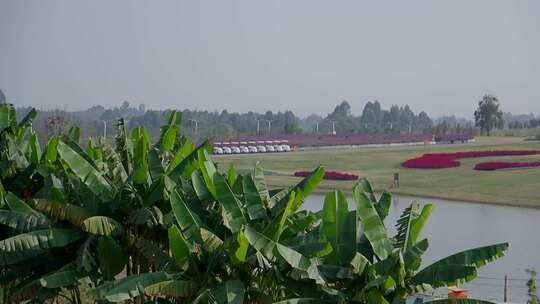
(515, 187)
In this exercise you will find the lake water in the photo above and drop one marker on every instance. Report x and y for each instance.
(455, 226)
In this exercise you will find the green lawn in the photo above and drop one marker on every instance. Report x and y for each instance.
(515, 187)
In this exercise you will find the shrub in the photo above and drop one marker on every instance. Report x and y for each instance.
(449, 160)
(490, 166)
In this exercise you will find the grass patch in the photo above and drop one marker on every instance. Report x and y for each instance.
(515, 187)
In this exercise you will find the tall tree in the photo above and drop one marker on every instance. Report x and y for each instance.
(488, 115)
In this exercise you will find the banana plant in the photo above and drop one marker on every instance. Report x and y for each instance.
(367, 265)
(160, 222)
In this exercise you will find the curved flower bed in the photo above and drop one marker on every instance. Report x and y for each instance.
(449, 160)
(331, 175)
(491, 166)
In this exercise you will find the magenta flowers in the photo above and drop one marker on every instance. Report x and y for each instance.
(449, 160)
(331, 175)
(491, 166)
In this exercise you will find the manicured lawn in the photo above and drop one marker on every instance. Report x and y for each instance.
(513, 187)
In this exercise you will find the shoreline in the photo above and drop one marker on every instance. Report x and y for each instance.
(322, 190)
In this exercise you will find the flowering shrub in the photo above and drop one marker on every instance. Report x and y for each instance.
(490, 166)
(331, 175)
(449, 160)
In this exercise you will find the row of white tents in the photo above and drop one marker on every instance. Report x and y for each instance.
(237, 147)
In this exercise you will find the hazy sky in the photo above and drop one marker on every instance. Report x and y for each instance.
(306, 56)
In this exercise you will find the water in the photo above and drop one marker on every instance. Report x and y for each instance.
(455, 226)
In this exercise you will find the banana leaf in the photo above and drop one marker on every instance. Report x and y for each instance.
(339, 228)
(23, 222)
(30, 244)
(128, 287)
(102, 225)
(372, 225)
(85, 172)
(188, 221)
(172, 288)
(252, 199)
(230, 292)
(232, 212)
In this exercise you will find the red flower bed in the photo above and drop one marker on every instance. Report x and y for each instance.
(490, 166)
(331, 175)
(449, 160)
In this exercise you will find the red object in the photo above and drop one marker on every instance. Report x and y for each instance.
(490, 166)
(449, 160)
(331, 175)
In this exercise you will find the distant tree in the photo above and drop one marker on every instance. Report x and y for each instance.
(142, 108)
(423, 122)
(344, 121)
(124, 106)
(531, 285)
(371, 116)
(488, 115)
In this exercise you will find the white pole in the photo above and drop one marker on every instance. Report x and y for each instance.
(104, 129)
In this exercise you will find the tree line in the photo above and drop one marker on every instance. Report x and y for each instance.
(199, 124)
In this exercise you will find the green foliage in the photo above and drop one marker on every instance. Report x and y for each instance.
(531, 288)
(159, 223)
(488, 116)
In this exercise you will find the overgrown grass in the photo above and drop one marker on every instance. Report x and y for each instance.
(513, 187)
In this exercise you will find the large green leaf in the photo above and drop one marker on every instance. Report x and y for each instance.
(23, 222)
(372, 225)
(16, 204)
(189, 164)
(30, 244)
(208, 169)
(232, 212)
(61, 279)
(272, 249)
(63, 211)
(412, 258)
(172, 288)
(200, 187)
(403, 225)
(178, 246)
(252, 199)
(111, 257)
(475, 257)
(85, 172)
(7, 116)
(260, 183)
(189, 221)
(339, 227)
(230, 292)
(128, 287)
(417, 224)
(102, 225)
(302, 190)
(445, 275)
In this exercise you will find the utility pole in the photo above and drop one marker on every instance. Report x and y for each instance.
(104, 129)
(195, 123)
(333, 127)
(505, 288)
(317, 128)
(269, 126)
(258, 127)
